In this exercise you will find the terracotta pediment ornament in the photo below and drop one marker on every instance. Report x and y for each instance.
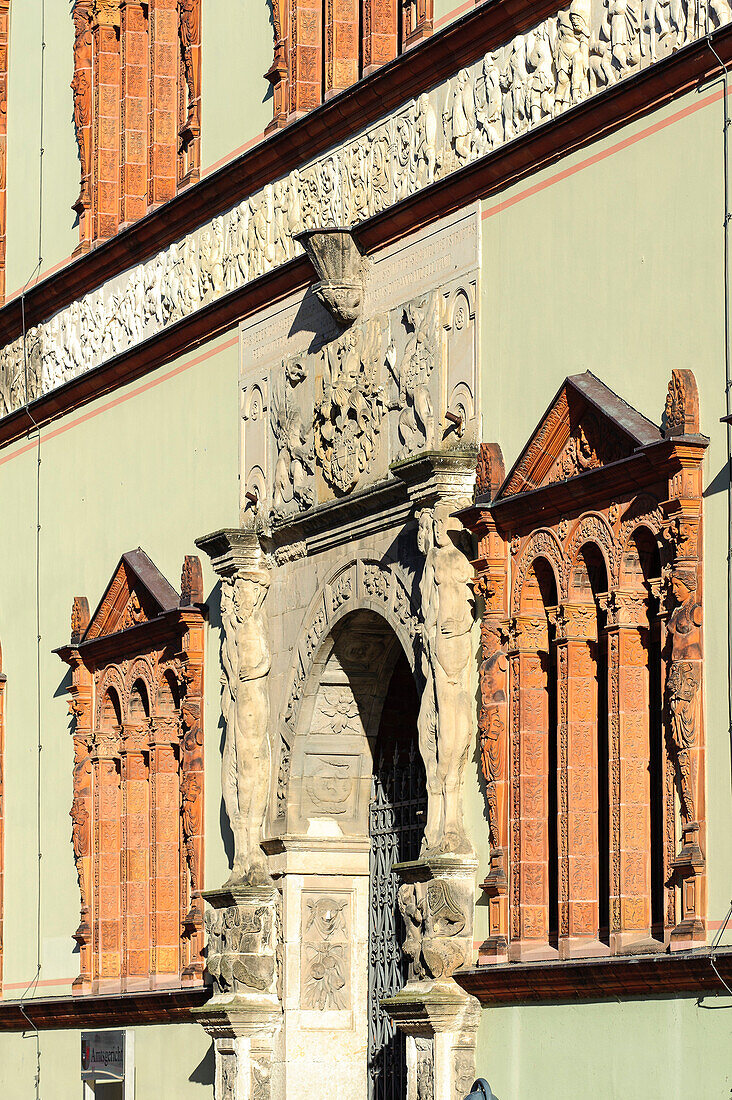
(586, 426)
(137, 593)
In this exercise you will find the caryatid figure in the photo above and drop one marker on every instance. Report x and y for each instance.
(684, 678)
(247, 660)
(445, 721)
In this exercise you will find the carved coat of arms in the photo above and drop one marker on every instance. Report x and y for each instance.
(349, 414)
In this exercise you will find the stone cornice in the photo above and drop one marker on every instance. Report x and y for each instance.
(628, 976)
(122, 1010)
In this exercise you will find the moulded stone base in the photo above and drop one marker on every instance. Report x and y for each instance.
(687, 935)
(493, 950)
(634, 943)
(581, 947)
(531, 951)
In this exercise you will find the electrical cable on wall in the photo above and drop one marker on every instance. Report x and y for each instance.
(33, 984)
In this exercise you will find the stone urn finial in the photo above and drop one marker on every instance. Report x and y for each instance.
(339, 264)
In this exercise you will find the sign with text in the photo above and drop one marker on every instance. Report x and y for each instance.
(105, 1055)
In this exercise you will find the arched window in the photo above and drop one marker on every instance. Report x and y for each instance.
(138, 779)
(592, 636)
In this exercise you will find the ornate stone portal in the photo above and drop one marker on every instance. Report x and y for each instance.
(358, 448)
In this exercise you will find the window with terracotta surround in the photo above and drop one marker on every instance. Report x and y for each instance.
(591, 721)
(137, 811)
(324, 46)
(137, 107)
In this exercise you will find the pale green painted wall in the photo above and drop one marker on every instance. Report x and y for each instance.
(59, 235)
(170, 1062)
(618, 269)
(237, 50)
(157, 470)
(650, 1049)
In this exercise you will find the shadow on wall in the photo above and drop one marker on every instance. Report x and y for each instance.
(214, 620)
(204, 1072)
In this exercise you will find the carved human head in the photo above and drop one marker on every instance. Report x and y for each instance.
(249, 592)
(445, 523)
(424, 531)
(683, 582)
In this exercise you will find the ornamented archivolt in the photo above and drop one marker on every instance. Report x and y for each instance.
(137, 810)
(542, 611)
(520, 85)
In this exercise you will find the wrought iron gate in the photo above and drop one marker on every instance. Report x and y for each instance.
(396, 824)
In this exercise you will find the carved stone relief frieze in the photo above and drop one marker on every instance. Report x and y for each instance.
(522, 84)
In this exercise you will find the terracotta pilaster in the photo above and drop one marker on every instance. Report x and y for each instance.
(4, 28)
(84, 95)
(107, 844)
(306, 54)
(528, 656)
(418, 21)
(107, 117)
(277, 72)
(630, 757)
(164, 75)
(580, 803)
(380, 33)
(165, 856)
(342, 19)
(135, 109)
(135, 858)
(189, 122)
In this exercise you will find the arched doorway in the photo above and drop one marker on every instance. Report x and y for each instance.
(355, 806)
(397, 813)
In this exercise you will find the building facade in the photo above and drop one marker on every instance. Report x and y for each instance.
(366, 692)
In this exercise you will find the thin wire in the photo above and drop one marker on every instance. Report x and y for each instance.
(715, 945)
(33, 984)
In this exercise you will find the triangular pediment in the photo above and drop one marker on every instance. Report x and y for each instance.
(586, 426)
(137, 593)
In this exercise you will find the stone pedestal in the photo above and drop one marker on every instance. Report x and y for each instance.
(440, 1021)
(244, 1017)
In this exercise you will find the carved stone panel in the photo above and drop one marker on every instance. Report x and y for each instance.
(325, 960)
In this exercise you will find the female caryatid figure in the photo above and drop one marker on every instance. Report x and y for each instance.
(246, 762)
(684, 678)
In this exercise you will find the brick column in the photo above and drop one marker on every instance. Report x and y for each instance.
(108, 841)
(380, 33)
(306, 55)
(418, 21)
(164, 75)
(135, 109)
(107, 137)
(529, 688)
(165, 855)
(135, 859)
(578, 794)
(630, 791)
(341, 45)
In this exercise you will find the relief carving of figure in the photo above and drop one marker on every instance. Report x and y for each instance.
(416, 415)
(191, 818)
(462, 117)
(540, 97)
(246, 659)
(489, 106)
(295, 453)
(515, 83)
(445, 718)
(684, 679)
(572, 55)
(188, 25)
(433, 920)
(82, 91)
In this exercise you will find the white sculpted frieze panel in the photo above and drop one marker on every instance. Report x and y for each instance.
(520, 85)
